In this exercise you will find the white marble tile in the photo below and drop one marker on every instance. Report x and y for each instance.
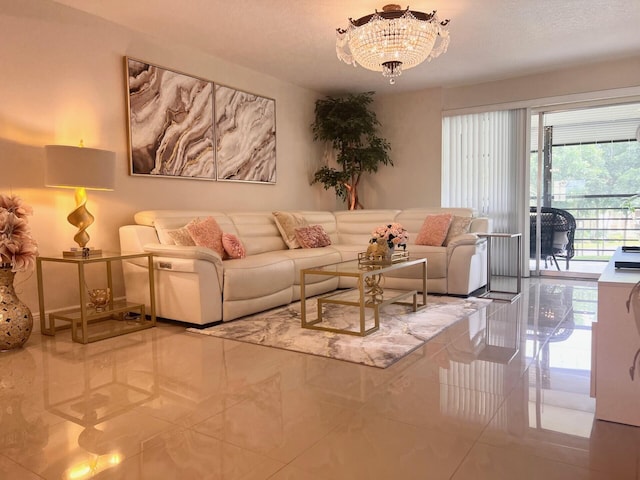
(486, 462)
(373, 447)
(278, 423)
(183, 453)
(11, 470)
(164, 403)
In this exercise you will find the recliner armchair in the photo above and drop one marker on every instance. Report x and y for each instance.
(558, 229)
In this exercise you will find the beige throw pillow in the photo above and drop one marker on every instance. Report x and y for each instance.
(181, 236)
(459, 226)
(287, 222)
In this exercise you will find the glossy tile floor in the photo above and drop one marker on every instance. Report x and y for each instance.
(500, 396)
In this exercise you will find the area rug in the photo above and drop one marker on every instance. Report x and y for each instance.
(401, 330)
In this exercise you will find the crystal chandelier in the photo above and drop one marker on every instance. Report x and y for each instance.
(392, 40)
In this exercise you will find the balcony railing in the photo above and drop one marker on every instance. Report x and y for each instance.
(601, 228)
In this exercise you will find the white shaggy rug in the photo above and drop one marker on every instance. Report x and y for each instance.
(401, 330)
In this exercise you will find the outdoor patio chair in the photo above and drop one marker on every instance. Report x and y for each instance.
(558, 229)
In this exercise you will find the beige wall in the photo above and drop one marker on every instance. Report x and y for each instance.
(62, 80)
(600, 77)
(412, 122)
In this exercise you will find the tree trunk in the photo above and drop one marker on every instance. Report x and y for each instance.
(352, 198)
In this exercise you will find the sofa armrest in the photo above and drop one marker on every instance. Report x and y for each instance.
(180, 251)
(182, 258)
(481, 225)
(464, 239)
(466, 264)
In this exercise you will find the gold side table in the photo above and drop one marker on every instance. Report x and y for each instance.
(78, 319)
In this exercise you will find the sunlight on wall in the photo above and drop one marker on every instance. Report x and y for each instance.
(76, 121)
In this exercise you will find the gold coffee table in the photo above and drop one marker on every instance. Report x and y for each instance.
(369, 293)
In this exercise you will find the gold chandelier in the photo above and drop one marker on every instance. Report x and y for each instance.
(392, 40)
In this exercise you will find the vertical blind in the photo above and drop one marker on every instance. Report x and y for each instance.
(482, 158)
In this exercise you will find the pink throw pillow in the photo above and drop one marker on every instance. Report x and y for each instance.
(206, 233)
(313, 236)
(233, 246)
(434, 230)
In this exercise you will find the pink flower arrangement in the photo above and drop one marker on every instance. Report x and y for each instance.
(394, 233)
(18, 249)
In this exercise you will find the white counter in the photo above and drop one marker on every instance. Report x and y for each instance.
(616, 338)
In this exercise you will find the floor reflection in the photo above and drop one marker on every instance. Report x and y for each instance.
(503, 394)
(20, 426)
(98, 387)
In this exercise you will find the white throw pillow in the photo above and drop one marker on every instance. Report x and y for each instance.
(287, 222)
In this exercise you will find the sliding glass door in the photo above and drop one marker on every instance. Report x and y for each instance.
(584, 187)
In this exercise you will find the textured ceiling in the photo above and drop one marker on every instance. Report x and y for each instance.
(295, 40)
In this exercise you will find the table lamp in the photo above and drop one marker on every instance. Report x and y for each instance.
(83, 169)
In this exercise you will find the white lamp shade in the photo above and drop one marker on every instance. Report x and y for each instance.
(72, 167)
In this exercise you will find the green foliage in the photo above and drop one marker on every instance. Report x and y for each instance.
(594, 169)
(351, 128)
(630, 204)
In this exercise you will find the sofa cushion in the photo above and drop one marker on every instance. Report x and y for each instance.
(434, 230)
(257, 276)
(309, 258)
(322, 217)
(436, 262)
(258, 232)
(459, 226)
(287, 222)
(312, 236)
(355, 226)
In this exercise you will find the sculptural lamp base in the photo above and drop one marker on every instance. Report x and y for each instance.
(81, 218)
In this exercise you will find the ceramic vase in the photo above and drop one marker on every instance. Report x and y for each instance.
(16, 321)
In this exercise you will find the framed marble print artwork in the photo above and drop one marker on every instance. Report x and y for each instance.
(245, 136)
(170, 122)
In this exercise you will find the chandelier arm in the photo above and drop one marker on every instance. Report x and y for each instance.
(341, 48)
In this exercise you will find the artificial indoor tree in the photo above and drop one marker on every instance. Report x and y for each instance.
(351, 128)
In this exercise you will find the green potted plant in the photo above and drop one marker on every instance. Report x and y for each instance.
(351, 128)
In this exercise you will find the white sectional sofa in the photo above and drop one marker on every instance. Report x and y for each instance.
(194, 285)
